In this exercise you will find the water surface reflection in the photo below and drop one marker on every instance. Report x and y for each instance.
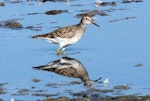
(70, 67)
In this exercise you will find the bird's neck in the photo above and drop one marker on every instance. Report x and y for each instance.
(82, 25)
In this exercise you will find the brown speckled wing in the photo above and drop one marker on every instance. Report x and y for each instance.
(68, 71)
(65, 32)
(48, 35)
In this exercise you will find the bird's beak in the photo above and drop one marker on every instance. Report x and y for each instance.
(95, 24)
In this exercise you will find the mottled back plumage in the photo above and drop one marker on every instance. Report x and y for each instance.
(65, 32)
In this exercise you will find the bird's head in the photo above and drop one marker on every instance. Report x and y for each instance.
(88, 20)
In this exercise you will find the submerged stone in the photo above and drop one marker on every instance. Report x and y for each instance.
(122, 87)
(36, 80)
(10, 24)
(139, 65)
(91, 13)
(54, 12)
(2, 4)
(129, 1)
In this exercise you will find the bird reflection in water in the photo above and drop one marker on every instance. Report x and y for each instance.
(70, 67)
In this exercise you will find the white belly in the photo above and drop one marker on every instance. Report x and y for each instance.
(67, 41)
(64, 41)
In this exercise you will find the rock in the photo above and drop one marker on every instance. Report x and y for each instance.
(2, 4)
(10, 24)
(54, 12)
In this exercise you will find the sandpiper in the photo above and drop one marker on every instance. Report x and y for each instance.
(70, 67)
(67, 35)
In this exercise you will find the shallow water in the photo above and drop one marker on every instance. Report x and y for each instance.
(118, 50)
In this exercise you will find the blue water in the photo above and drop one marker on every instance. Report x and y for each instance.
(111, 51)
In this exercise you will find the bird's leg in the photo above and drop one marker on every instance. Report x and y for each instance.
(63, 50)
(58, 51)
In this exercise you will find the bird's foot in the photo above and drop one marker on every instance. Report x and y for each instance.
(58, 52)
(63, 54)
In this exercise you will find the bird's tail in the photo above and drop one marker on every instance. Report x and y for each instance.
(39, 67)
(45, 68)
(37, 36)
(42, 35)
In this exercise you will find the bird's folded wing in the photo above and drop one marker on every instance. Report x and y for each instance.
(65, 32)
